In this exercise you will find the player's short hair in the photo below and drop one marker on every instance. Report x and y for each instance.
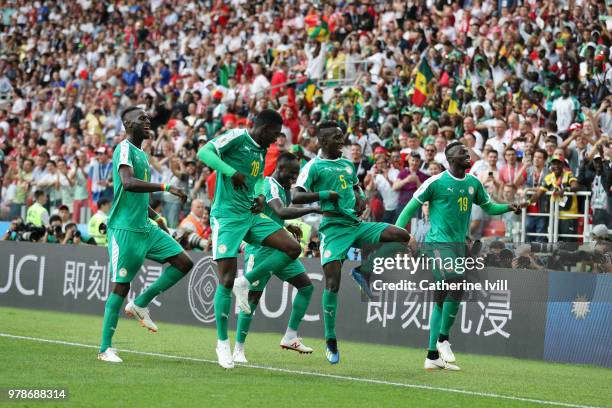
(38, 194)
(452, 145)
(286, 157)
(327, 127)
(268, 117)
(128, 110)
(103, 201)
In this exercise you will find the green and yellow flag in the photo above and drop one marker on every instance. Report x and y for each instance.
(453, 105)
(421, 84)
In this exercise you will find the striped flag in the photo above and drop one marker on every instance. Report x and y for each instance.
(421, 84)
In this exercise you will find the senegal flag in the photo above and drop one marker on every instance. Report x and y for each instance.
(317, 27)
(421, 84)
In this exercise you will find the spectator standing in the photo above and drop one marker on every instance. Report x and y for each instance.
(37, 213)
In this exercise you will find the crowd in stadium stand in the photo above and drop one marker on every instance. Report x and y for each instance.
(523, 84)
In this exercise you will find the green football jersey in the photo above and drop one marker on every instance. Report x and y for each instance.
(239, 150)
(337, 175)
(273, 190)
(450, 205)
(130, 210)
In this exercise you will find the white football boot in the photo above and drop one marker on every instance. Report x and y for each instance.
(439, 364)
(295, 344)
(142, 315)
(110, 356)
(224, 354)
(445, 351)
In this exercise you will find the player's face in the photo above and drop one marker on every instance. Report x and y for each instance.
(269, 135)
(460, 156)
(141, 124)
(333, 143)
(289, 173)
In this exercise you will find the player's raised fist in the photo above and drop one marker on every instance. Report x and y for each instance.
(238, 180)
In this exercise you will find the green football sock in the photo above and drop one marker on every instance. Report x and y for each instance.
(244, 324)
(300, 304)
(449, 312)
(223, 303)
(276, 261)
(111, 316)
(434, 326)
(330, 305)
(167, 279)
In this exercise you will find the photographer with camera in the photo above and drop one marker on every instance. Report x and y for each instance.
(197, 222)
(72, 235)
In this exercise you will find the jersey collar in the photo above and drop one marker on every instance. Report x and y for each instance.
(252, 140)
(453, 177)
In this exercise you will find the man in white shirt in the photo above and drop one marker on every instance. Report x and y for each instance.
(498, 141)
(260, 82)
(378, 179)
(564, 108)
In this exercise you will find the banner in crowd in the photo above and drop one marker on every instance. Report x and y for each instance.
(508, 322)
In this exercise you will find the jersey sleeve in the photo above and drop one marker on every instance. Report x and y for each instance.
(307, 176)
(271, 190)
(125, 158)
(425, 192)
(481, 197)
(227, 141)
(355, 179)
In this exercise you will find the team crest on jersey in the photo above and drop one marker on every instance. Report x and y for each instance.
(256, 283)
(349, 170)
(222, 249)
(123, 272)
(471, 190)
(327, 254)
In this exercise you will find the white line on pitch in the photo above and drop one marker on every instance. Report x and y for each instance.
(313, 373)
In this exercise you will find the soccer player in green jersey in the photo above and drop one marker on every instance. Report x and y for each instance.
(131, 237)
(332, 180)
(236, 215)
(450, 195)
(277, 208)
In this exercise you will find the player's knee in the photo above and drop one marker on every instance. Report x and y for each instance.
(121, 289)
(294, 250)
(332, 284)
(255, 296)
(187, 264)
(307, 291)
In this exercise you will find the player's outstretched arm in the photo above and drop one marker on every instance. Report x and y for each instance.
(301, 196)
(289, 213)
(407, 213)
(492, 208)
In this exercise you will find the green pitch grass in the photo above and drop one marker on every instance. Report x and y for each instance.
(152, 381)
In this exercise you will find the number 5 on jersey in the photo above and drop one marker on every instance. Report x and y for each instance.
(343, 181)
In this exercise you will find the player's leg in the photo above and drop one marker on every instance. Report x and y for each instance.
(336, 238)
(372, 233)
(244, 324)
(163, 249)
(126, 257)
(331, 270)
(450, 308)
(303, 284)
(267, 233)
(227, 234)
(251, 257)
